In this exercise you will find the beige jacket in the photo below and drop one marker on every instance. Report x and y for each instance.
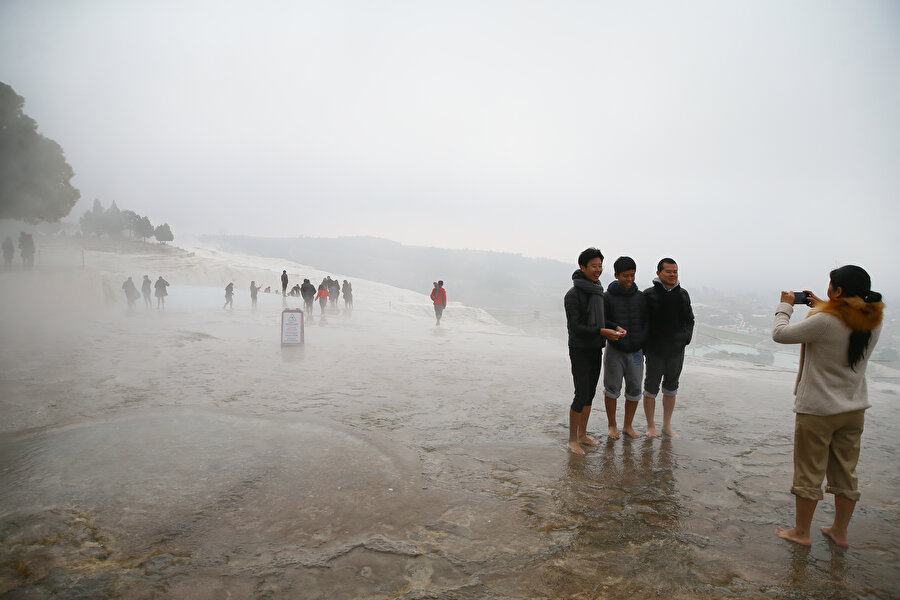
(825, 383)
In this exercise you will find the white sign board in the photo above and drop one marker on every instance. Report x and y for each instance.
(291, 326)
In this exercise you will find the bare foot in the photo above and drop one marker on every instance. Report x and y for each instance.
(575, 448)
(586, 440)
(631, 432)
(791, 536)
(669, 432)
(651, 432)
(839, 540)
(613, 433)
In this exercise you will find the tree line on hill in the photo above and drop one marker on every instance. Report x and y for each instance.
(114, 222)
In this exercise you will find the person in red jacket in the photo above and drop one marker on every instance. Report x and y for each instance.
(439, 295)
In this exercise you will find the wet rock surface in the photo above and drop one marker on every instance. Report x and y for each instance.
(185, 454)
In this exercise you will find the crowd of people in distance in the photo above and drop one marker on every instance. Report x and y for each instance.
(132, 295)
(26, 251)
(327, 294)
(645, 334)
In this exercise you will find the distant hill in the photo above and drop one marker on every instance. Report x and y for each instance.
(492, 280)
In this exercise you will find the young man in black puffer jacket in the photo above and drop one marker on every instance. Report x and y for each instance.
(588, 333)
(626, 307)
(671, 329)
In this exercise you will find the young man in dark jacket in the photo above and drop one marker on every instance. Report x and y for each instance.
(625, 307)
(588, 333)
(671, 329)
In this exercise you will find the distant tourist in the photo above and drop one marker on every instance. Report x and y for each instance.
(146, 287)
(284, 283)
(26, 250)
(439, 296)
(347, 290)
(295, 291)
(229, 296)
(588, 332)
(161, 292)
(671, 329)
(322, 297)
(308, 291)
(8, 251)
(254, 290)
(837, 337)
(268, 289)
(131, 292)
(334, 291)
(625, 307)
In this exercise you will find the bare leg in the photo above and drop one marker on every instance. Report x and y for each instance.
(630, 409)
(668, 409)
(574, 422)
(843, 510)
(611, 417)
(800, 533)
(582, 427)
(649, 411)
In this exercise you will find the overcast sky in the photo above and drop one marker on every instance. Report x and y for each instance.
(756, 142)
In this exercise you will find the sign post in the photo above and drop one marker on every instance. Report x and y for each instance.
(291, 327)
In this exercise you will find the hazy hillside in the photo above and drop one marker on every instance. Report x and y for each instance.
(475, 277)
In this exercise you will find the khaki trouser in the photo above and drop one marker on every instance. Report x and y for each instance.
(827, 447)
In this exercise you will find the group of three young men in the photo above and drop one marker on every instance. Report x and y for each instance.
(655, 325)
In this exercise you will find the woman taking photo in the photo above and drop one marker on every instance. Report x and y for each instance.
(837, 338)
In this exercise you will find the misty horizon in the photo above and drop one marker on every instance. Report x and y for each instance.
(753, 142)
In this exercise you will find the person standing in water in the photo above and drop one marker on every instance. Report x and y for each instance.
(131, 293)
(161, 292)
(229, 296)
(308, 291)
(625, 307)
(439, 296)
(671, 327)
(588, 332)
(322, 297)
(146, 287)
(26, 250)
(347, 290)
(830, 395)
(254, 290)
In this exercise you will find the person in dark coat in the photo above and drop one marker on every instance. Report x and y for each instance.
(161, 292)
(254, 290)
(146, 289)
(284, 283)
(625, 307)
(334, 291)
(229, 296)
(308, 292)
(26, 250)
(671, 329)
(588, 332)
(131, 292)
(347, 290)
